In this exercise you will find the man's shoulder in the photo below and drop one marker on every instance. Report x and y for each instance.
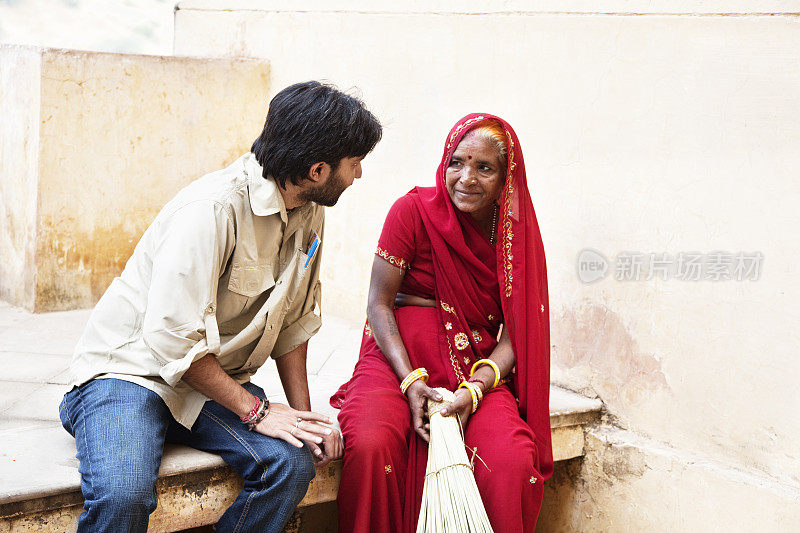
(224, 187)
(317, 214)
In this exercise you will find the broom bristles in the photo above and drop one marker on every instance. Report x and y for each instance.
(450, 497)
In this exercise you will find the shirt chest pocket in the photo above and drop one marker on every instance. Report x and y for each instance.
(251, 280)
(300, 274)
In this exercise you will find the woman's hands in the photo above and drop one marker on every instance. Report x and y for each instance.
(418, 392)
(297, 427)
(332, 447)
(461, 406)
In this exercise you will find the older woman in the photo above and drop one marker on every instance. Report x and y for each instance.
(458, 294)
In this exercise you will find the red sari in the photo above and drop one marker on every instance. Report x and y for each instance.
(478, 287)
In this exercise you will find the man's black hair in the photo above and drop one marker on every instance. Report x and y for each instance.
(311, 122)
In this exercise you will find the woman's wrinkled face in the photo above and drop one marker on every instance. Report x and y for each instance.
(475, 176)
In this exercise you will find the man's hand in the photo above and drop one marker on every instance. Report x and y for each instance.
(417, 394)
(296, 427)
(461, 406)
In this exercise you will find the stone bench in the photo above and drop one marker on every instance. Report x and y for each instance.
(194, 487)
(39, 479)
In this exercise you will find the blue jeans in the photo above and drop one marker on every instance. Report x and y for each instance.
(120, 429)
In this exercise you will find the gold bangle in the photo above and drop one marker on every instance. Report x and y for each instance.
(492, 364)
(478, 395)
(477, 400)
(478, 390)
(471, 388)
(414, 375)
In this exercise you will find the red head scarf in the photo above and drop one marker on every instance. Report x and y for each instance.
(520, 272)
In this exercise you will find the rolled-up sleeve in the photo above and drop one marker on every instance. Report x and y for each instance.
(298, 329)
(189, 249)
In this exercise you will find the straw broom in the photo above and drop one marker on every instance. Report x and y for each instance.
(450, 498)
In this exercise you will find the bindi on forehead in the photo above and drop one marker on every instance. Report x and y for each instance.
(469, 157)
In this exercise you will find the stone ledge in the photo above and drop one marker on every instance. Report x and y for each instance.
(194, 487)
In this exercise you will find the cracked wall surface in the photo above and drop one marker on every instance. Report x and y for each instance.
(626, 483)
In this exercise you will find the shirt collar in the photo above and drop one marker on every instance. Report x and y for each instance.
(265, 198)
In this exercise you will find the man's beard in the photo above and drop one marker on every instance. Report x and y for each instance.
(326, 194)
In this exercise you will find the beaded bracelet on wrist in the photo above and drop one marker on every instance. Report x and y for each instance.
(260, 415)
(253, 411)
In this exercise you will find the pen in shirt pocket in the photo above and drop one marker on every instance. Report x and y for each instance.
(312, 249)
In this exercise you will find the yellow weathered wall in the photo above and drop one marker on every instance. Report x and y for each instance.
(119, 135)
(645, 128)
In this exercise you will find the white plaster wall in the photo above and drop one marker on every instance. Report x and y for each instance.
(512, 7)
(144, 26)
(643, 132)
(20, 90)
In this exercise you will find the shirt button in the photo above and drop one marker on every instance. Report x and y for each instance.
(210, 308)
(269, 327)
(280, 281)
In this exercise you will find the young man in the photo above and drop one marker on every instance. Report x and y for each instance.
(226, 276)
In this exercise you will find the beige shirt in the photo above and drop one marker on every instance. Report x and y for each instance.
(223, 269)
